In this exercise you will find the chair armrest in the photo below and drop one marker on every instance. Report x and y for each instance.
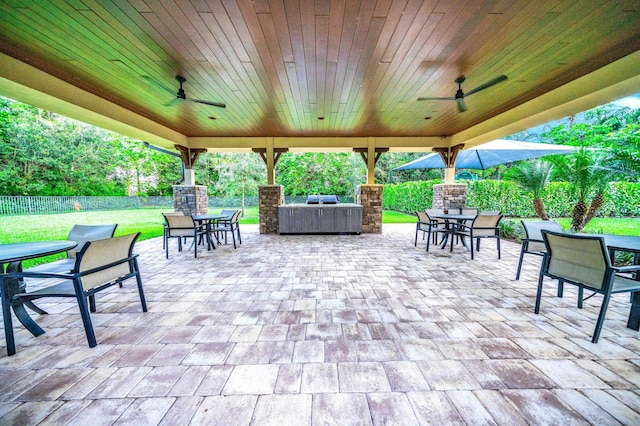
(631, 268)
(27, 274)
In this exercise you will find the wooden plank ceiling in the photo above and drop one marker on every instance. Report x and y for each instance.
(318, 68)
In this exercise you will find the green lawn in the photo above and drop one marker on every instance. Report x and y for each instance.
(149, 222)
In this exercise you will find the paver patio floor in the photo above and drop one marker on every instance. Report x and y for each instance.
(327, 330)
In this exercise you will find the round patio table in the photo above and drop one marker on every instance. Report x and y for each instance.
(14, 255)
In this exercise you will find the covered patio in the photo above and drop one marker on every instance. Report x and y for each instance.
(327, 329)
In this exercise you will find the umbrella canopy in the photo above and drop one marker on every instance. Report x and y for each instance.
(490, 154)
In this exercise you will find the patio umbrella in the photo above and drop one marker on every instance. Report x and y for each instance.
(490, 154)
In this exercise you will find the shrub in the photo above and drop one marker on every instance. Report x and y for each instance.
(622, 199)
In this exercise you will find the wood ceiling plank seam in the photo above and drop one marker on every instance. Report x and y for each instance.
(407, 15)
(261, 6)
(346, 42)
(542, 51)
(401, 66)
(190, 66)
(359, 42)
(280, 21)
(382, 8)
(222, 63)
(272, 48)
(125, 27)
(368, 69)
(460, 28)
(264, 55)
(231, 32)
(546, 25)
(411, 84)
(296, 98)
(180, 26)
(322, 39)
(336, 20)
(543, 68)
(61, 44)
(515, 19)
(135, 62)
(330, 78)
(390, 25)
(294, 23)
(254, 77)
(48, 25)
(445, 23)
(146, 28)
(228, 62)
(308, 21)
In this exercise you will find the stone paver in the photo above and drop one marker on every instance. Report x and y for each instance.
(327, 329)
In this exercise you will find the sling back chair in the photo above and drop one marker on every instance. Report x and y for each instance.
(98, 265)
(181, 227)
(483, 226)
(583, 260)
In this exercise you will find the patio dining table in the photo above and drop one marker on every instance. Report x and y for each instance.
(208, 220)
(13, 255)
(451, 219)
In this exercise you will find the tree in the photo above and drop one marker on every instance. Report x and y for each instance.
(588, 172)
(240, 174)
(533, 176)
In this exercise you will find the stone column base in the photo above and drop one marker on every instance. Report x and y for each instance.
(190, 199)
(448, 195)
(269, 198)
(370, 198)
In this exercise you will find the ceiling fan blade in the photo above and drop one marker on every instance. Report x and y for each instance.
(462, 107)
(215, 104)
(437, 99)
(490, 83)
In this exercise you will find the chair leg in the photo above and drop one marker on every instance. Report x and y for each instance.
(233, 236)
(143, 300)
(415, 243)
(600, 322)
(86, 320)
(92, 302)
(560, 288)
(539, 294)
(429, 238)
(498, 247)
(522, 248)
(166, 246)
(240, 239)
(580, 296)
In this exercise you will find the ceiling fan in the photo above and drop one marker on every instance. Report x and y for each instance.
(460, 95)
(181, 95)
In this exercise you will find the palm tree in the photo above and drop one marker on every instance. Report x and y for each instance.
(533, 176)
(587, 172)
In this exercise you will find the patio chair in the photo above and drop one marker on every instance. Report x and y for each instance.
(80, 234)
(224, 226)
(533, 242)
(164, 233)
(483, 226)
(436, 226)
(182, 227)
(583, 260)
(100, 264)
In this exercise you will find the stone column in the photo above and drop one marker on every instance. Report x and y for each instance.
(449, 195)
(269, 198)
(370, 198)
(190, 199)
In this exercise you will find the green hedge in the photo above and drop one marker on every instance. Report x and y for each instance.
(622, 199)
